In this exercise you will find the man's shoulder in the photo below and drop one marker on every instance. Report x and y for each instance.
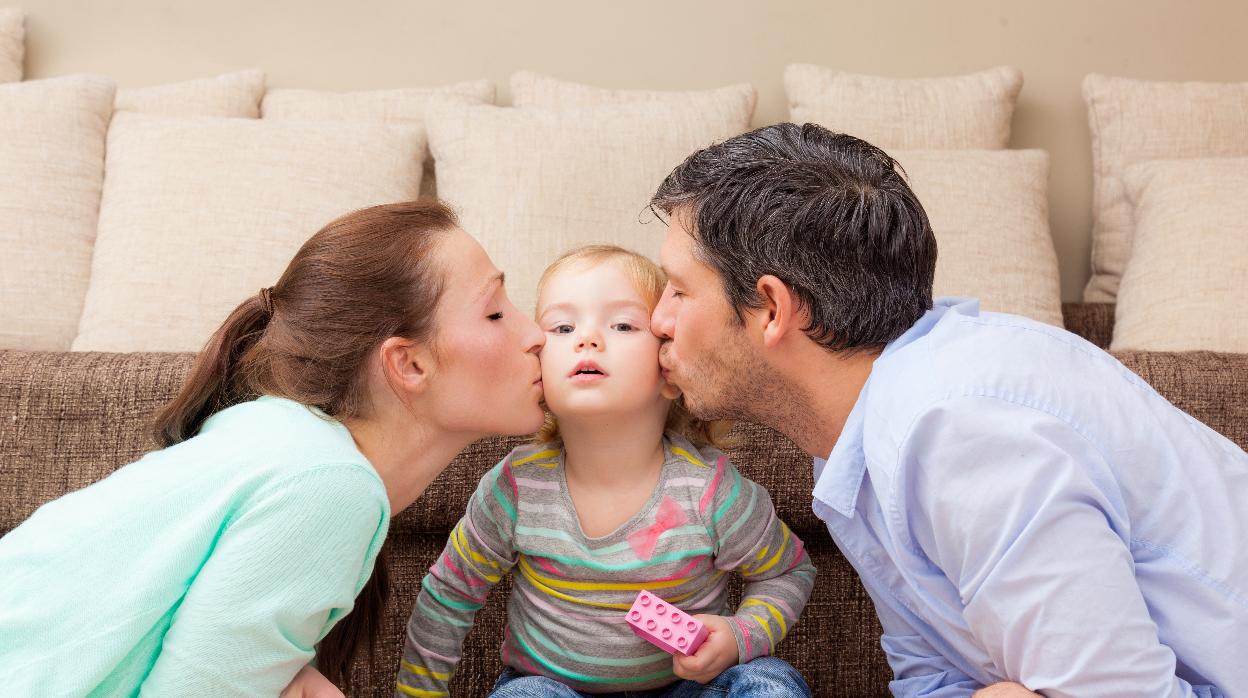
(989, 354)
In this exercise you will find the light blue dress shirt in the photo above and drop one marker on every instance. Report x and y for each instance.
(1021, 506)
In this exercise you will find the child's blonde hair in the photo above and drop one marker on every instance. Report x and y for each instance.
(649, 280)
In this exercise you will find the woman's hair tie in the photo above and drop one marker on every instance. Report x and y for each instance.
(266, 300)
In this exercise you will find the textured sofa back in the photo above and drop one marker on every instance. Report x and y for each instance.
(69, 419)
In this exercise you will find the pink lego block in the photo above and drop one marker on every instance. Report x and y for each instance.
(664, 625)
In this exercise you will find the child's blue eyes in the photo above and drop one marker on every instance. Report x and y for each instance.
(618, 327)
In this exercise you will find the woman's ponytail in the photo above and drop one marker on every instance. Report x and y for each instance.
(213, 383)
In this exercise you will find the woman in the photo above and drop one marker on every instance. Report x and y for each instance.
(321, 407)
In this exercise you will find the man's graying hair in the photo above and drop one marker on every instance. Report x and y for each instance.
(828, 214)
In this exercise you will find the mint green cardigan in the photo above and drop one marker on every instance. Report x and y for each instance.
(208, 568)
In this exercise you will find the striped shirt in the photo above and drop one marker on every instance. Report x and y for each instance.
(570, 592)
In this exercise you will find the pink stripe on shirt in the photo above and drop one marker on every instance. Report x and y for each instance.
(710, 491)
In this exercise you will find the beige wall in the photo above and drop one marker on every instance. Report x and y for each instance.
(671, 44)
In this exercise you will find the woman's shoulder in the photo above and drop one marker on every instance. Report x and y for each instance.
(274, 437)
(328, 486)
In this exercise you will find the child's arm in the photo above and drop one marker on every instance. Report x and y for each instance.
(477, 555)
(752, 540)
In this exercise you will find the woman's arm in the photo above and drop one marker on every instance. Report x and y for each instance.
(286, 567)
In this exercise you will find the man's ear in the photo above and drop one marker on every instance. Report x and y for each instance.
(406, 365)
(780, 313)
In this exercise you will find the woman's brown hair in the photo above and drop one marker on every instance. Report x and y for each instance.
(649, 281)
(363, 278)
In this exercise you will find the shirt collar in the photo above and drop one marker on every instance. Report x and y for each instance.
(839, 477)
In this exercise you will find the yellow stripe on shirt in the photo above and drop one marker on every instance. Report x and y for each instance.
(419, 692)
(422, 671)
(535, 457)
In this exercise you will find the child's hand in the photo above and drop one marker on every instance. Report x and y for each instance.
(717, 653)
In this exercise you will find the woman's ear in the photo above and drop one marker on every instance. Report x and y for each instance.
(406, 365)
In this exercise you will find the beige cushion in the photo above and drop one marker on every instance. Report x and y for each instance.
(531, 183)
(989, 211)
(51, 170)
(1186, 284)
(233, 94)
(12, 43)
(404, 105)
(1136, 120)
(199, 214)
(960, 112)
(529, 89)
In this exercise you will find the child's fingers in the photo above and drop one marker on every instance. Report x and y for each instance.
(689, 667)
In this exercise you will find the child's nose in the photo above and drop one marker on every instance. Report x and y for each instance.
(589, 340)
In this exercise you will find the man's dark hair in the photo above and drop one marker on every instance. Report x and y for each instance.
(828, 214)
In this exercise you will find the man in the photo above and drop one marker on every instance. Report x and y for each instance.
(1023, 510)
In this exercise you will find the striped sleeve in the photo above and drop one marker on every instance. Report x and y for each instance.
(754, 542)
(477, 555)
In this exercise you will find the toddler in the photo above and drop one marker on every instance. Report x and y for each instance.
(622, 490)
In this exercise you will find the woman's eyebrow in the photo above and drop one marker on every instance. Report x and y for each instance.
(499, 279)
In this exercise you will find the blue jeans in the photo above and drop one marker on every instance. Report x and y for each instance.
(765, 677)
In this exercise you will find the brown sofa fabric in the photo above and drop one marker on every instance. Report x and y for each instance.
(68, 419)
(1092, 321)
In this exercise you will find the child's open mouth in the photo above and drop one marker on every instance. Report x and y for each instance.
(587, 372)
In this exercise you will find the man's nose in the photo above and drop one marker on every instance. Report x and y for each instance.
(661, 320)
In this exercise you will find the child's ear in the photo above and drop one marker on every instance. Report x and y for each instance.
(669, 391)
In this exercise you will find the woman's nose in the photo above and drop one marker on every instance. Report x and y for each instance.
(532, 336)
